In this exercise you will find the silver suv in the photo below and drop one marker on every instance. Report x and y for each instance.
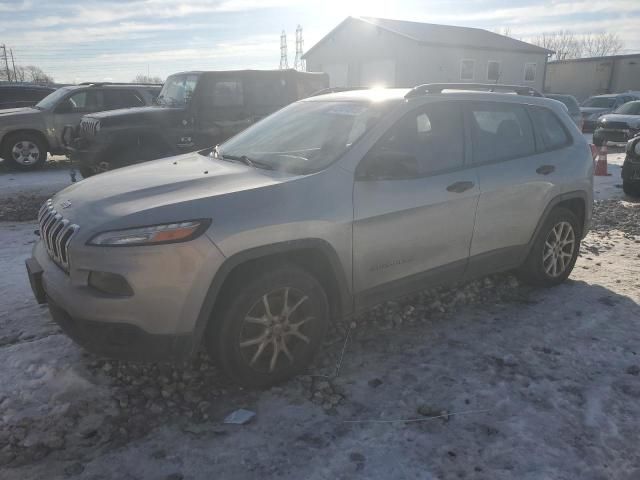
(321, 210)
(28, 133)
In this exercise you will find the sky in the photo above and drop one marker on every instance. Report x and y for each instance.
(114, 40)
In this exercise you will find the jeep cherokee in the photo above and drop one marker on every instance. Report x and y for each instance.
(323, 209)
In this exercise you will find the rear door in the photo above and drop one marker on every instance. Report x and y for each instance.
(409, 226)
(517, 171)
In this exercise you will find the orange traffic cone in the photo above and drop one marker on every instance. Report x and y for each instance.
(601, 163)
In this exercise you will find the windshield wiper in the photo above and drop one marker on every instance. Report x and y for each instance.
(242, 158)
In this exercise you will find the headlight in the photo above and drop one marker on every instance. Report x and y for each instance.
(152, 234)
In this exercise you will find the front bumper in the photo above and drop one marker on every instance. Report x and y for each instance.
(614, 135)
(157, 323)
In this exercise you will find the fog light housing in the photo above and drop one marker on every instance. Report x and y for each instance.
(110, 283)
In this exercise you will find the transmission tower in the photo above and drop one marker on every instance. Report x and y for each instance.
(300, 63)
(284, 61)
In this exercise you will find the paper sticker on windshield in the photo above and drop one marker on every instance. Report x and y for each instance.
(351, 109)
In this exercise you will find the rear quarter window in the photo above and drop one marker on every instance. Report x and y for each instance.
(550, 128)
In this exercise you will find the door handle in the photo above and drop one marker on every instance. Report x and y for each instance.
(545, 169)
(460, 187)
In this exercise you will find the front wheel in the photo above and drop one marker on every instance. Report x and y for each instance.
(555, 250)
(270, 326)
(631, 188)
(24, 151)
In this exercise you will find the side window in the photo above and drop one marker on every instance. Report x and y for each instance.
(86, 101)
(432, 135)
(131, 98)
(228, 93)
(550, 128)
(493, 71)
(269, 91)
(466, 69)
(500, 131)
(530, 72)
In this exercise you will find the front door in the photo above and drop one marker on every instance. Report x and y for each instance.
(414, 216)
(71, 109)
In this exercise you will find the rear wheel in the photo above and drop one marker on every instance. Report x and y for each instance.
(269, 327)
(24, 151)
(555, 250)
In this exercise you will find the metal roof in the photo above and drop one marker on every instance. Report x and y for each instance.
(435, 34)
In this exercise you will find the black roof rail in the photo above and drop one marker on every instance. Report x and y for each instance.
(491, 87)
(100, 84)
(325, 91)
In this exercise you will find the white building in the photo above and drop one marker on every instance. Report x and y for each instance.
(377, 51)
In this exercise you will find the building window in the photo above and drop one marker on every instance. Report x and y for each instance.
(466, 69)
(530, 72)
(493, 71)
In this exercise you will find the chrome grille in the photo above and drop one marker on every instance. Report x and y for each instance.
(89, 126)
(56, 232)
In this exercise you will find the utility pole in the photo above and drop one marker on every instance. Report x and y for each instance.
(15, 75)
(300, 63)
(6, 62)
(284, 61)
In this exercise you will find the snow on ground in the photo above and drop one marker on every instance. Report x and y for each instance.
(527, 384)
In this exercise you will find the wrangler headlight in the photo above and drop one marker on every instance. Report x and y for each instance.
(152, 234)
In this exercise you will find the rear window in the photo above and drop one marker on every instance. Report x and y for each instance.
(500, 131)
(550, 128)
(570, 102)
(599, 102)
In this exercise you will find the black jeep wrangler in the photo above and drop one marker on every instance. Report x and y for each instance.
(194, 110)
(631, 168)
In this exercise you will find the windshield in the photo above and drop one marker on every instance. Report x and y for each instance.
(569, 102)
(51, 100)
(305, 136)
(600, 102)
(178, 90)
(631, 108)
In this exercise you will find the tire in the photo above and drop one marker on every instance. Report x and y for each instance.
(631, 188)
(24, 151)
(541, 268)
(233, 336)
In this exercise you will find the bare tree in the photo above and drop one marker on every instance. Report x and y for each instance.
(567, 45)
(564, 43)
(28, 73)
(141, 78)
(601, 44)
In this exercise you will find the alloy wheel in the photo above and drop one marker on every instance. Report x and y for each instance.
(275, 329)
(558, 249)
(25, 152)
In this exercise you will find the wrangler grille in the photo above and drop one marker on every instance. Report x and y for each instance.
(89, 126)
(56, 232)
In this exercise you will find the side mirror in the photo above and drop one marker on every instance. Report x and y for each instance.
(387, 166)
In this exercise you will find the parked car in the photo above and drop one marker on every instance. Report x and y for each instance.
(327, 207)
(631, 168)
(194, 110)
(27, 134)
(572, 107)
(594, 107)
(16, 95)
(619, 126)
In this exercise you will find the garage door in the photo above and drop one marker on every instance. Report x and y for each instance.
(338, 74)
(378, 73)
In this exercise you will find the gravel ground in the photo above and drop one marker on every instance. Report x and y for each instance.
(487, 380)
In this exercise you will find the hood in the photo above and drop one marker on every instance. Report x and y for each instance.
(7, 112)
(590, 110)
(134, 114)
(631, 120)
(168, 184)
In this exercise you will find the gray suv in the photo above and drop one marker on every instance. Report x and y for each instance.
(329, 206)
(28, 133)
